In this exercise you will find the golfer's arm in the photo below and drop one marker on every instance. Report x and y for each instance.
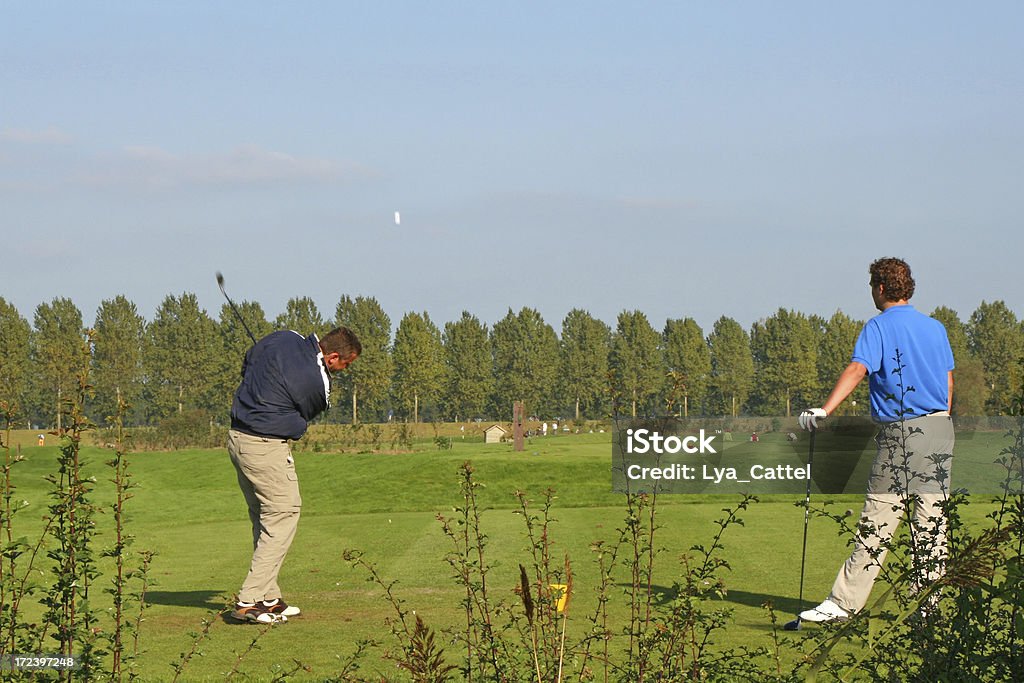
(847, 382)
(950, 408)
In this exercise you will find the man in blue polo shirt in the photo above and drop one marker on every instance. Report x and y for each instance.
(909, 363)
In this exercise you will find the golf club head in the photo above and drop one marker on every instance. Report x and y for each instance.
(220, 280)
(792, 625)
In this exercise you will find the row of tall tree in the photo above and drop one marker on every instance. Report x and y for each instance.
(184, 360)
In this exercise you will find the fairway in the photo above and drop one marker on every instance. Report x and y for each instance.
(188, 510)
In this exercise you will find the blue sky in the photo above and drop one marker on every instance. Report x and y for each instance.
(684, 159)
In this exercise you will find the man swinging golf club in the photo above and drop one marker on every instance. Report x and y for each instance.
(908, 360)
(285, 384)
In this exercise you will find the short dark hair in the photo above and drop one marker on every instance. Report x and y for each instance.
(894, 276)
(341, 341)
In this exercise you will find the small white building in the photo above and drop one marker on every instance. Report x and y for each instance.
(494, 434)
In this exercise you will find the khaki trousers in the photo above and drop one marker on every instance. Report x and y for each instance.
(266, 475)
(911, 470)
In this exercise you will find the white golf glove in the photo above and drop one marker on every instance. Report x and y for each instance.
(809, 418)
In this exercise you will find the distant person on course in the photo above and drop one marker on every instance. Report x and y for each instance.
(910, 399)
(285, 383)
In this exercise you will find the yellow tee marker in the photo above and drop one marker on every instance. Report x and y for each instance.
(563, 595)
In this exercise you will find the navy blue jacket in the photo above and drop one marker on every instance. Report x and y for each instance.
(284, 385)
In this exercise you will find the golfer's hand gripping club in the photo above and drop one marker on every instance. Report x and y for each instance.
(809, 418)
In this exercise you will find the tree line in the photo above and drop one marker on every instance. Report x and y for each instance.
(184, 360)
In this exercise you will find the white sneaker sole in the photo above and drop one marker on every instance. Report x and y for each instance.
(264, 618)
(816, 617)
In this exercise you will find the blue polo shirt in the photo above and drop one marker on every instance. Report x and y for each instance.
(925, 357)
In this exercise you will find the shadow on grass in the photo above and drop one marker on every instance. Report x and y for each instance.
(783, 605)
(205, 599)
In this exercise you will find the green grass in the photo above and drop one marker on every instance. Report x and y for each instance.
(188, 510)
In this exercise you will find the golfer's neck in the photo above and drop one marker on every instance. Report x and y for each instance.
(886, 305)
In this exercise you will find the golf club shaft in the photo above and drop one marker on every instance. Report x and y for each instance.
(220, 283)
(807, 512)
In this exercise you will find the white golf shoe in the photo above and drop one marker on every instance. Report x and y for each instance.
(281, 608)
(826, 611)
(256, 613)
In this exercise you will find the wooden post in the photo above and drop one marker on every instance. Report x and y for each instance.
(517, 426)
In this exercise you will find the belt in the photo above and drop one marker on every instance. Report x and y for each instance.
(269, 437)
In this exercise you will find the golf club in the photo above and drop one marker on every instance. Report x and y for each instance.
(795, 624)
(220, 283)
